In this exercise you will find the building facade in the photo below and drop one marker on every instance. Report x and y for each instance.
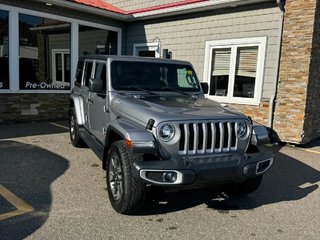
(40, 43)
(258, 56)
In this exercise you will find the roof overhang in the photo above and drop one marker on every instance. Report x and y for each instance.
(154, 12)
(85, 8)
(192, 8)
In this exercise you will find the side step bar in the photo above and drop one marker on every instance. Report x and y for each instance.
(91, 141)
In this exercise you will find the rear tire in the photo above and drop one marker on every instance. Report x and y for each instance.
(248, 186)
(126, 190)
(74, 130)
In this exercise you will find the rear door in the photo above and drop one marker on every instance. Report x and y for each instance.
(98, 115)
(88, 72)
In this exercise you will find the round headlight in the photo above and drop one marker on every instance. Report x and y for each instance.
(241, 129)
(166, 132)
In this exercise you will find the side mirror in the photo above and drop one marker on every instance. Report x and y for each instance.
(95, 85)
(205, 87)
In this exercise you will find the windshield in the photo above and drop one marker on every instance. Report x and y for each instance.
(128, 75)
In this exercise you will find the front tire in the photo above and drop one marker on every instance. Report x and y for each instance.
(126, 190)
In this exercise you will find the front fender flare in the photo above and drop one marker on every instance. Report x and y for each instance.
(260, 135)
(131, 131)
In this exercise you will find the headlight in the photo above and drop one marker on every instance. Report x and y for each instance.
(166, 132)
(241, 129)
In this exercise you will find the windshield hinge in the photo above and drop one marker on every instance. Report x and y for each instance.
(105, 109)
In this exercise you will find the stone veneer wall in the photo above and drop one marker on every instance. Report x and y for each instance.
(259, 114)
(290, 109)
(312, 119)
(33, 107)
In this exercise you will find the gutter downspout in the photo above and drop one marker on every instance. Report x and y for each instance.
(273, 97)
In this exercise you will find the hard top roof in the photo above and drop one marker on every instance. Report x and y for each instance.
(132, 58)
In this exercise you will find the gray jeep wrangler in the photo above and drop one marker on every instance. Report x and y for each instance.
(150, 124)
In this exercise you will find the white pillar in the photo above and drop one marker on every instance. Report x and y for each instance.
(74, 50)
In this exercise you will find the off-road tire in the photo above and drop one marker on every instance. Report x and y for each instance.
(248, 186)
(75, 137)
(126, 190)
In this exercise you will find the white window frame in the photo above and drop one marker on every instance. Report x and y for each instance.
(14, 77)
(54, 67)
(234, 44)
(154, 46)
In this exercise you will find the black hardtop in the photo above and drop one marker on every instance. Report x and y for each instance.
(133, 58)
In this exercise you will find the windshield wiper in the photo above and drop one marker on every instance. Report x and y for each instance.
(175, 90)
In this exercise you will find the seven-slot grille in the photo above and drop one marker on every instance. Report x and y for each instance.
(207, 137)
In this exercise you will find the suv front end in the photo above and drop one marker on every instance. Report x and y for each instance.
(199, 152)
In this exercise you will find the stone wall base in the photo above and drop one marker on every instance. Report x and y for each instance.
(33, 107)
(259, 114)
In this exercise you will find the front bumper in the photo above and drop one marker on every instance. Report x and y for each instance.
(204, 170)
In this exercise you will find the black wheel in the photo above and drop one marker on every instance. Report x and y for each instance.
(125, 189)
(248, 186)
(74, 130)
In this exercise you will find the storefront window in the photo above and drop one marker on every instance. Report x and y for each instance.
(97, 41)
(44, 53)
(4, 50)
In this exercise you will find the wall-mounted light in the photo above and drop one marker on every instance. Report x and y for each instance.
(166, 54)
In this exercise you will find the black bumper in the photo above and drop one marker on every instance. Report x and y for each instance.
(205, 170)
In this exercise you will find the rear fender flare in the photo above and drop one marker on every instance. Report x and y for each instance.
(78, 109)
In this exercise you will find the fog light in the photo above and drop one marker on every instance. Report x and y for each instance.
(170, 177)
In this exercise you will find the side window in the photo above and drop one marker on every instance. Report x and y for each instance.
(100, 74)
(87, 73)
(79, 73)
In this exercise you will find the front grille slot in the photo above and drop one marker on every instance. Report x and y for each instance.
(207, 137)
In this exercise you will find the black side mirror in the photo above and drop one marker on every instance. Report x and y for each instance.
(205, 87)
(95, 85)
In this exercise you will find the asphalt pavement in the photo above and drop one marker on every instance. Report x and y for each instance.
(51, 190)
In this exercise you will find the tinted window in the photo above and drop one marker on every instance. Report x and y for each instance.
(97, 41)
(128, 75)
(79, 73)
(87, 73)
(100, 74)
(44, 53)
(4, 50)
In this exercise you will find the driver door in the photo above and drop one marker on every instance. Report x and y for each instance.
(98, 103)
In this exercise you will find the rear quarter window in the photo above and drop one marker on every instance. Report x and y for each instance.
(79, 73)
(87, 73)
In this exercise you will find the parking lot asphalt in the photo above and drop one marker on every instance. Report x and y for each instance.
(51, 190)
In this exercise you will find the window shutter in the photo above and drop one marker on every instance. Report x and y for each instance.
(247, 61)
(221, 61)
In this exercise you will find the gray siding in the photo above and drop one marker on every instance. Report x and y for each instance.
(186, 36)
(128, 5)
